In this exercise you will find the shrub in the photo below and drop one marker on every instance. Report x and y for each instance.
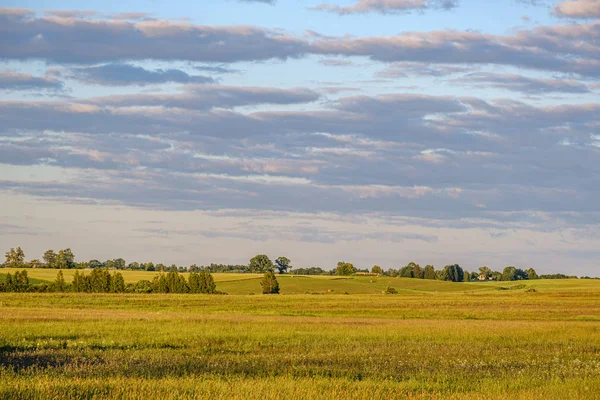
(269, 283)
(390, 290)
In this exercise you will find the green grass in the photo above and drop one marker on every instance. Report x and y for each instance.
(486, 344)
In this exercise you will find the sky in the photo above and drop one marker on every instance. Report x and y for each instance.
(370, 131)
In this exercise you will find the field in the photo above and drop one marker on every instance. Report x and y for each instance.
(250, 283)
(433, 340)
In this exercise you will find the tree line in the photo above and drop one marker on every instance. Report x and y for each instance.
(102, 281)
(65, 259)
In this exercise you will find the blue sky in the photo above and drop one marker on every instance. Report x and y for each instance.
(374, 131)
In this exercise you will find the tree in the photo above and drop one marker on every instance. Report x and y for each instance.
(95, 264)
(79, 284)
(65, 259)
(417, 272)
(118, 263)
(15, 258)
(454, 273)
(201, 282)
(134, 266)
(429, 272)
(207, 283)
(521, 275)
(531, 274)
(117, 283)
(59, 282)
(269, 283)
(21, 281)
(194, 282)
(283, 264)
(260, 264)
(159, 283)
(100, 281)
(509, 274)
(376, 270)
(345, 269)
(176, 283)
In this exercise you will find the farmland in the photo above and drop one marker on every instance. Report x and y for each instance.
(445, 340)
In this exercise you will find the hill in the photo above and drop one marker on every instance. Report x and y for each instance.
(299, 284)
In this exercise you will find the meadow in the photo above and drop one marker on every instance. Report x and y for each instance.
(432, 340)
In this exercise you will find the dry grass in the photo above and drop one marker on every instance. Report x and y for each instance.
(495, 345)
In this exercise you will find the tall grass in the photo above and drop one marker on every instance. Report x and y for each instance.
(517, 345)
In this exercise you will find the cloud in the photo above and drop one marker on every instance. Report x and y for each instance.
(217, 69)
(388, 6)
(11, 80)
(118, 74)
(335, 62)
(77, 40)
(568, 49)
(523, 84)
(404, 69)
(71, 13)
(578, 9)
(201, 97)
(560, 48)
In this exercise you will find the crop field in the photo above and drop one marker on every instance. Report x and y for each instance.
(432, 340)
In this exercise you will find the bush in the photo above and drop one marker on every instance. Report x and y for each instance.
(390, 290)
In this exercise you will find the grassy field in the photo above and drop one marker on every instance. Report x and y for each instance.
(472, 344)
(250, 283)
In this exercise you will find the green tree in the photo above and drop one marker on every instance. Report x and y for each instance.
(100, 281)
(454, 273)
(21, 278)
(95, 264)
(260, 264)
(78, 282)
(269, 283)
(345, 269)
(417, 271)
(117, 283)
(134, 266)
(376, 270)
(159, 283)
(194, 282)
(531, 274)
(59, 283)
(49, 258)
(509, 274)
(65, 259)
(283, 264)
(207, 283)
(429, 272)
(15, 258)
(176, 283)
(412, 270)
